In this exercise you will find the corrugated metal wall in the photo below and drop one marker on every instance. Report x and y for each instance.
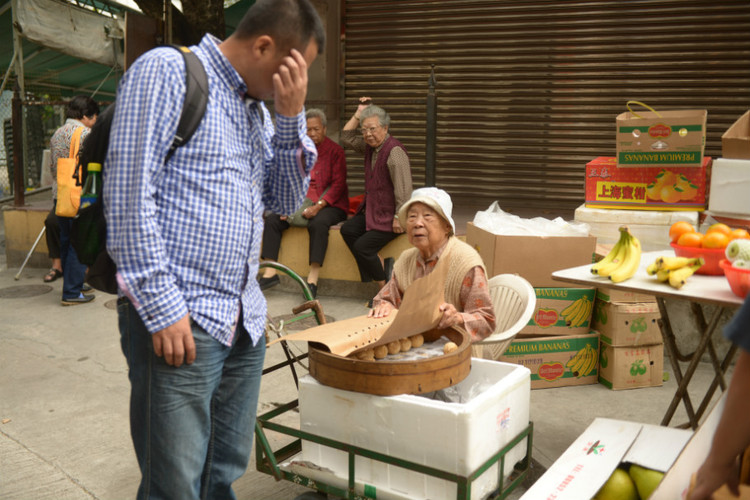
(528, 90)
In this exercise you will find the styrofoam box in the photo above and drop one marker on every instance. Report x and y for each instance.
(730, 181)
(452, 437)
(651, 227)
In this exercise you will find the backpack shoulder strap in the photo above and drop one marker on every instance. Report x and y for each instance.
(196, 99)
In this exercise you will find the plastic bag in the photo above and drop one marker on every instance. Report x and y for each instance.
(496, 221)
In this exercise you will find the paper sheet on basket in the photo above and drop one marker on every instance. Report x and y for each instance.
(418, 313)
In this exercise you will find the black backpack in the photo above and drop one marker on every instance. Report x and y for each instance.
(89, 228)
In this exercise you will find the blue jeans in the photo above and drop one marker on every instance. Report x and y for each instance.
(74, 273)
(192, 427)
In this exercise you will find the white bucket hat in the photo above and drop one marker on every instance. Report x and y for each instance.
(432, 197)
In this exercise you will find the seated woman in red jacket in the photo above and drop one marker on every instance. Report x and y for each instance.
(331, 196)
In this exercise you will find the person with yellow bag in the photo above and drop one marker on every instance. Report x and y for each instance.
(66, 191)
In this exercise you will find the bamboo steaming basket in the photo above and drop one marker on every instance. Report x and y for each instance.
(390, 378)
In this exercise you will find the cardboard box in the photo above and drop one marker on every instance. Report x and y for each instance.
(455, 437)
(676, 481)
(647, 188)
(664, 139)
(550, 359)
(651, 227)
(631, 367)
(627, 324)
(561, 311)
(611, 295)
(735, 142)
(730, 183)
(586, 465)
(534, 258)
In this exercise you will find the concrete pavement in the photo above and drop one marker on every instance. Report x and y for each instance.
(64, 397)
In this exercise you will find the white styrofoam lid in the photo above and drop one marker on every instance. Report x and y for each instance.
(654, 217)
(658, 447)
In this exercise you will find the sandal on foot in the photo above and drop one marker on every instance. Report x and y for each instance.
(52, 275)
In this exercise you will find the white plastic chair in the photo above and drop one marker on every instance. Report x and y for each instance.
(514, 301)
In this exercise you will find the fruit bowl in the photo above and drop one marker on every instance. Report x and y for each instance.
(738, 278)
(712, 256)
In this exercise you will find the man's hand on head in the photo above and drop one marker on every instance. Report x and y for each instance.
(290, 85)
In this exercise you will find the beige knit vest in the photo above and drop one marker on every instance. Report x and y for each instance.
(461, 258)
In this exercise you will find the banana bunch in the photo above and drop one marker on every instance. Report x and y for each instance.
(623, 260)
(584, 362)
(674, 270)
(577, 313)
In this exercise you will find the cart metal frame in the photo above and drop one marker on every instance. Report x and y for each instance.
(268, 461)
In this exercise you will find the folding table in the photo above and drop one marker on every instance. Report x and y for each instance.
(699, 289)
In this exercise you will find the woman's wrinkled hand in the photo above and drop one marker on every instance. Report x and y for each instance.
(382, 310)
(363, 103)
(451, 316)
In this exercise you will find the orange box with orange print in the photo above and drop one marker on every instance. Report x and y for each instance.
(647, 188)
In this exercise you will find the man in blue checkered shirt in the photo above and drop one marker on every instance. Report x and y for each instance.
(186, 236)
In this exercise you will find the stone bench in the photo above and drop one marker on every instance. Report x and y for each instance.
(339, 263)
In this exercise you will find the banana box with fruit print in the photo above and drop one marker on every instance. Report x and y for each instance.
(626, 324)
(631, 367)
(561, 311)
(671, 187)
(557, 361)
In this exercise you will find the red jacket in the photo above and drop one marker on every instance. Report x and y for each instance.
(329, 173)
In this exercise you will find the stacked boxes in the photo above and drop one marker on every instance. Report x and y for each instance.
(557, 361)
(609, 185)
(631, 353)
(556, 345)
(561, 311)
(651, 227)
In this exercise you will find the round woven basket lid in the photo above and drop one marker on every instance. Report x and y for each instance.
(390, 378)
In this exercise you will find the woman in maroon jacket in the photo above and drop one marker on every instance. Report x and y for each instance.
(330, 195)
(388, 185)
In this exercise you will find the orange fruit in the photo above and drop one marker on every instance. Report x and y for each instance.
(720, 228)
(678, 229)
(690, 240)
(739, 234)
(715, 239)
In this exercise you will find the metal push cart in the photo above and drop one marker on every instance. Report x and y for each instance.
(271, 461)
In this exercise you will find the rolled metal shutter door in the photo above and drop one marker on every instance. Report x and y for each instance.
(528, 91)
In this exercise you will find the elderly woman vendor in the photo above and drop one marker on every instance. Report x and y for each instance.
(426, 217)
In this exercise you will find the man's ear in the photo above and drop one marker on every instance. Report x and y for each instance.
(263, 46)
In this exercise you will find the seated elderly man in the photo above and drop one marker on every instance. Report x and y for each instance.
(330, 197)
(427, 219)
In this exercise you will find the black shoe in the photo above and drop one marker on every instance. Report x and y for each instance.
(388, 268)
(86, 289)
(313, 290)
(266, 283)
(81, 299)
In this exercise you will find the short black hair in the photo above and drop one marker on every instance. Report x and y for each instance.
(80, 106)
(291, 23)
(94, 147)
